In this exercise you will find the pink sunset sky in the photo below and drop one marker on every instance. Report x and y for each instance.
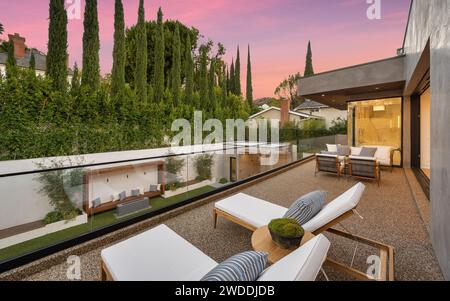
(277, 31)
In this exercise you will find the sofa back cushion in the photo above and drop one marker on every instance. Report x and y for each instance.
(355, 151)
(306, 207)
(246, 266)
(368, 152)
(122, 195)
(332, 148)
(344, 150)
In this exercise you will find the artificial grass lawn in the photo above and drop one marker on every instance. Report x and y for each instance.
(96, 222)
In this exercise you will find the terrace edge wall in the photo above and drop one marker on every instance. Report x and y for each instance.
(430, 21)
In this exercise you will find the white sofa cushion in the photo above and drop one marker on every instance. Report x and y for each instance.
(345, 202)
(355, 151)
(156, 255)
(332, 148)
(251, 210)
(363, 158)
(303, 264)
(383, 154)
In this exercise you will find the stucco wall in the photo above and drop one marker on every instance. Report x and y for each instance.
(430, 20)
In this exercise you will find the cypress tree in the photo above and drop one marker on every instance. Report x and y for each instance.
(176, 68)
(33, 62)
(75, 84)
(118, 69)
(91, 47)
(309, 70)
(57, 45)
(203, 79)
(232, 79)
(237, 76)
(140, 77)
(223, 85)
(11, 63)
(211, 86)
(249, 90)
(189, 90)
(159, 59)
(228, 81)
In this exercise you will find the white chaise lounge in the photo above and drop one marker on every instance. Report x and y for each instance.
(162, 255)
(253, 213)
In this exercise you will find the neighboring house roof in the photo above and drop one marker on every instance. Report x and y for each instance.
(310, 104)
(304, 115)
(24, 62)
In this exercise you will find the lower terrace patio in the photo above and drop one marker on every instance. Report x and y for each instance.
(391, 215)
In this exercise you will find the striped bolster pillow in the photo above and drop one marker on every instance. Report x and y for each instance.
(247, 266)
(306, 207)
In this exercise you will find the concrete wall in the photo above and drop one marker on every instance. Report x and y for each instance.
(380, 72)
(429, 20)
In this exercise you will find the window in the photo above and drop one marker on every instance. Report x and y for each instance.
(376, 122)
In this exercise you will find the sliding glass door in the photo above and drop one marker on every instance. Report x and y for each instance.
(377, 123)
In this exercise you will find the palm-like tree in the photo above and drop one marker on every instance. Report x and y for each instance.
(1, 28)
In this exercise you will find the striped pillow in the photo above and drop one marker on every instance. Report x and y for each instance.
(247, 266)
(306, 207)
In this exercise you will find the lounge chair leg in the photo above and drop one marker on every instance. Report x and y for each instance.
(324, 274)
(215, 219)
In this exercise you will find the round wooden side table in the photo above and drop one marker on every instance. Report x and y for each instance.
(262, 242)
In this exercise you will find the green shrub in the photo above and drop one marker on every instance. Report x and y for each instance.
(203, 165)
(52, 217)
(286, 227)
(223, 181)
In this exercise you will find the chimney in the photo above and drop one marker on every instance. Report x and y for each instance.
(19, 45)
(285, 110)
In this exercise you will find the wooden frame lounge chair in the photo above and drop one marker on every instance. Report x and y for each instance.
(162, 255)
(329, 164)
(253, 213)
(364, 168)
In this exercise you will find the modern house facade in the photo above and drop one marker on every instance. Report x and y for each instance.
(329, 114)
(403, 102)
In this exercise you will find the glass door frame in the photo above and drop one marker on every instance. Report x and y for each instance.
(353, 124)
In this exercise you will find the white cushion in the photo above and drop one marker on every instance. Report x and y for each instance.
(332, 148)
(327, 155)
(303, 264)
(156, 255)
(356, 151)
(251, 210)
(383, 154)
(363, 158)
(345, 202)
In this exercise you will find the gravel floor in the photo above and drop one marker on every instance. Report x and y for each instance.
(390, 216)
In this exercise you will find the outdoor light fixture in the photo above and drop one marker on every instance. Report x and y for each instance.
(379, 108)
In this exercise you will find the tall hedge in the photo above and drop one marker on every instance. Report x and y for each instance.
(140, 78)
(91, 47)
(158, 78)
(118, 69)
(57, 45)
